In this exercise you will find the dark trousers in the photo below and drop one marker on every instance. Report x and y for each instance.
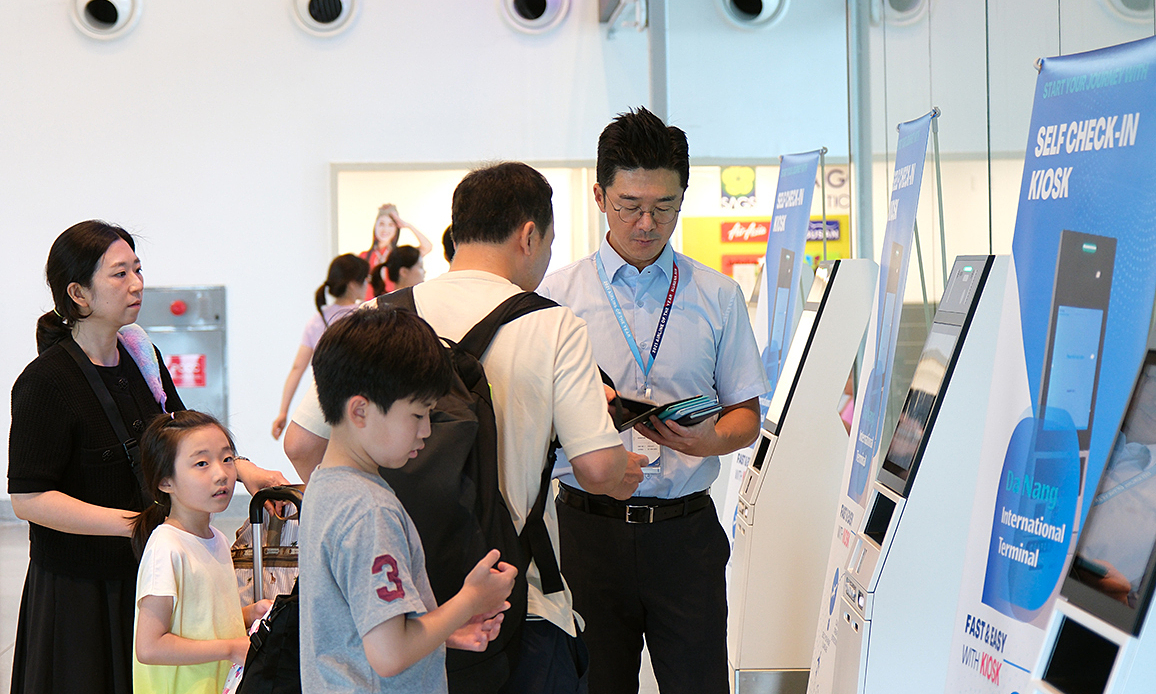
(664, 581)
(551, 662)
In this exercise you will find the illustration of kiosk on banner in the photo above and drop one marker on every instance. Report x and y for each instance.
(1100, 638)
(790, 489)
(773, 359)
(1050, 452)
(895, 481)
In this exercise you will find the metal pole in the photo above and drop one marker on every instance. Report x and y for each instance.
(823, 191)
(859, 106)
(922, 281)
(939, 193)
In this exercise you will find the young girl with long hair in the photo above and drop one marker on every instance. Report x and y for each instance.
(346, 284)
(190, 626)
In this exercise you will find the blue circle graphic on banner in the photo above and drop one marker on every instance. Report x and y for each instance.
(1035, 510)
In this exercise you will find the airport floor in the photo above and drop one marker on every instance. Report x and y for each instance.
(14, 564)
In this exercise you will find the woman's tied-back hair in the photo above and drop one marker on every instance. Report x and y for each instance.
(74, 257)
(343, 269)
(159, 445)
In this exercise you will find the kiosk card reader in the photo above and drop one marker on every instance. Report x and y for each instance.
(1096, 637)
(893, 484)
(784, 520)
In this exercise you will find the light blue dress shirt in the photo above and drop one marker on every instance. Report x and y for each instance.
(708, 347)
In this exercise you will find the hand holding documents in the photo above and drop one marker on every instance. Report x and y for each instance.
(687, 412)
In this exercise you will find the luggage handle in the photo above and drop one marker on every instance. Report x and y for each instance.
(292, 493)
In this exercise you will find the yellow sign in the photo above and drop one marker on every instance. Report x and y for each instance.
(705, 240)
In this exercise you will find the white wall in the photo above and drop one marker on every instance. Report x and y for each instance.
(209, 131)
(759, 93)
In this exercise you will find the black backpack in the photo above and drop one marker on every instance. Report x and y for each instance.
(273, 665)
(451, 492)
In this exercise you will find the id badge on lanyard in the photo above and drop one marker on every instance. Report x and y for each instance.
(639, 443)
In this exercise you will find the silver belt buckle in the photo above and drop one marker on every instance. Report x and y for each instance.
(647, 518)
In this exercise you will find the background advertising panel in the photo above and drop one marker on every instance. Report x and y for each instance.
(1071, 343)
(871, 399)
(783, 258)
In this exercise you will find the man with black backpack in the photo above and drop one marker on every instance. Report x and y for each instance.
(544, 383)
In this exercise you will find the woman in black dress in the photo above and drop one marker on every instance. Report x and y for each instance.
(69, 474)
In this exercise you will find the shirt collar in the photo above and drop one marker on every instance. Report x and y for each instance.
(614, 262)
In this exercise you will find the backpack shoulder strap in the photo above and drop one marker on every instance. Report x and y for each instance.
(535, 538)
(402, 298)
(478, 339)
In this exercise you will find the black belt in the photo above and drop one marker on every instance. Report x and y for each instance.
(637, 510)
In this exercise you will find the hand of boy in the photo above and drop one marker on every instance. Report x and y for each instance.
(476, 634)
(489, 583)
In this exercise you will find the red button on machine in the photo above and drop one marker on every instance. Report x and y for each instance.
(178, 308)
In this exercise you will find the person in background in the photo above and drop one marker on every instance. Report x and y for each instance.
(386, 228)
(448, 243)
(346, 284)
(190, 626)
(405, 268)
(667, 548)
(70, 475)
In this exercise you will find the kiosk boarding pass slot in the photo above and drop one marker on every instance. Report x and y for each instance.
(785, 386)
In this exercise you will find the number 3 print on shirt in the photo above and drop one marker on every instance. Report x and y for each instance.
(391, 575)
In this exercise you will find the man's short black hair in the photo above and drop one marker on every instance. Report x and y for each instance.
(491, 203)
(638, 139)
(382, 354)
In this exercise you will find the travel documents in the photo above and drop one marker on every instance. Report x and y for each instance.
(687, 412)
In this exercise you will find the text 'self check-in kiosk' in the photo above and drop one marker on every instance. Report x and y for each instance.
(790, 488)
(1101, 636)
(853, 608)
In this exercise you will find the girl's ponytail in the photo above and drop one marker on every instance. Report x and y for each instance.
(147, 521)
(319, 300)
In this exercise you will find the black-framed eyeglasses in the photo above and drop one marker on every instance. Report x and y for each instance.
(632, 213)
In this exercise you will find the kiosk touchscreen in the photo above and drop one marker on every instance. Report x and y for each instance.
(785, 518)
(894, 482)
(1096, 633)
(1076, 332)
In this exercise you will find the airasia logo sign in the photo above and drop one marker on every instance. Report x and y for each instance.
(733, 232)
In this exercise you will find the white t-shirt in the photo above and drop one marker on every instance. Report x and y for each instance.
(543, 379)
(198, 574)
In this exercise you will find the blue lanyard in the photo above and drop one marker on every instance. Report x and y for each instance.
(625, 327)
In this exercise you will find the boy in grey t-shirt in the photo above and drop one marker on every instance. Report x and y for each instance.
(369, 622)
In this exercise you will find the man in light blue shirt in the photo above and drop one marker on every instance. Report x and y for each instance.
(664, 327)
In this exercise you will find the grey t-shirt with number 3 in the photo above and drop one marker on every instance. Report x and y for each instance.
(361, 564)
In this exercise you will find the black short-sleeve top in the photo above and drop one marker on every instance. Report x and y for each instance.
(61, 440)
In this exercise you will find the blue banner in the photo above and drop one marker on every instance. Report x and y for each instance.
(910, 154)
(779, 293)
(1084, 245)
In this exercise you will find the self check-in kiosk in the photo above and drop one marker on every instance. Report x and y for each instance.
(935, 373)
(1095, 641)
(788, 492)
